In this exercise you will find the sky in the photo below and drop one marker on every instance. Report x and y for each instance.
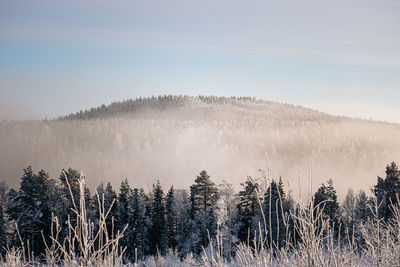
(340, 57)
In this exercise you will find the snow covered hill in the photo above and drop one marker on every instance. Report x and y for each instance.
(173, 138)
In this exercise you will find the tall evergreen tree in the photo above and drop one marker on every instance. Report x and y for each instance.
(171, 218)
(203, 193)
(204, 197)
(387, 190)
(29, 209)
(158, 230)
(124, 201)
(248, 210)
(3, 242)
(137, 231)
(326, 199)
(275, 208)
(348, 212)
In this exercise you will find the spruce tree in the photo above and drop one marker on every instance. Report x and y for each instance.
(248, 210)
(30, 211)
(204, 197)
(124, 207)
(3, 242)
(137, 233)
(171, 218)
(326, 199)
(387, 190)
(275, 208)
(203, 194)
(158, 230)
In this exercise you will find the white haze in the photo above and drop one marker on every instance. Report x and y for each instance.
(172, 139)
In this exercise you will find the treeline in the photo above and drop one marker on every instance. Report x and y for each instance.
(183, 221)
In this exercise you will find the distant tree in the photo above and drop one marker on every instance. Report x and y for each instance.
(30, 211)
(348, 212)
(171, 218)
(158, 230)
(387, 190)
(362, 209)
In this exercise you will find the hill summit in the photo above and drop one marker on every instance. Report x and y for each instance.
(173, 138)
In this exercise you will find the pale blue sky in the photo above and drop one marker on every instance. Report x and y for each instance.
(342, 57)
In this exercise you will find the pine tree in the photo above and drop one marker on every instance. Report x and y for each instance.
(111, 205)
(348, 211)
(124, 201)
(203, 194)
(275, 208)
(226, 218)
(204, 197)
(171, 218)
(3, 242)
(109, 197)
(248, 210)
(185, 224)
(29, 209)
(158, 230)
(137, 231)
(326, 199)
(387, 190)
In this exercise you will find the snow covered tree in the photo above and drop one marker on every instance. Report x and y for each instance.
(124, 201)
(348, 211)
(186, 237)
(203, 193)
(362, 209)
(226, 218)
(204, 197)
(137, 233)
(387, 190)
(326, 198)
(30, 211)
(275, 208)
(171, 218)
(110, 198)
(3, 242)
(158, 230)
(248, 210)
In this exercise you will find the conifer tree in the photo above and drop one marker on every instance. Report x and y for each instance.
(30, 211)
(204, 197)
(387, 190)
(158, 230)
(3, 242)
(124, 201)
(275, 208)
(137, 231)
(203, 193)
(326, 198)
(248, 210)
(171, 218)
(348, 211)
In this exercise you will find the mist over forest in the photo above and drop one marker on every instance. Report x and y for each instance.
(172, 138)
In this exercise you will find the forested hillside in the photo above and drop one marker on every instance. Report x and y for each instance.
(171, 137)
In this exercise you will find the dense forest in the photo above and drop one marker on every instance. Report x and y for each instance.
(171, 137)
(261, 216)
